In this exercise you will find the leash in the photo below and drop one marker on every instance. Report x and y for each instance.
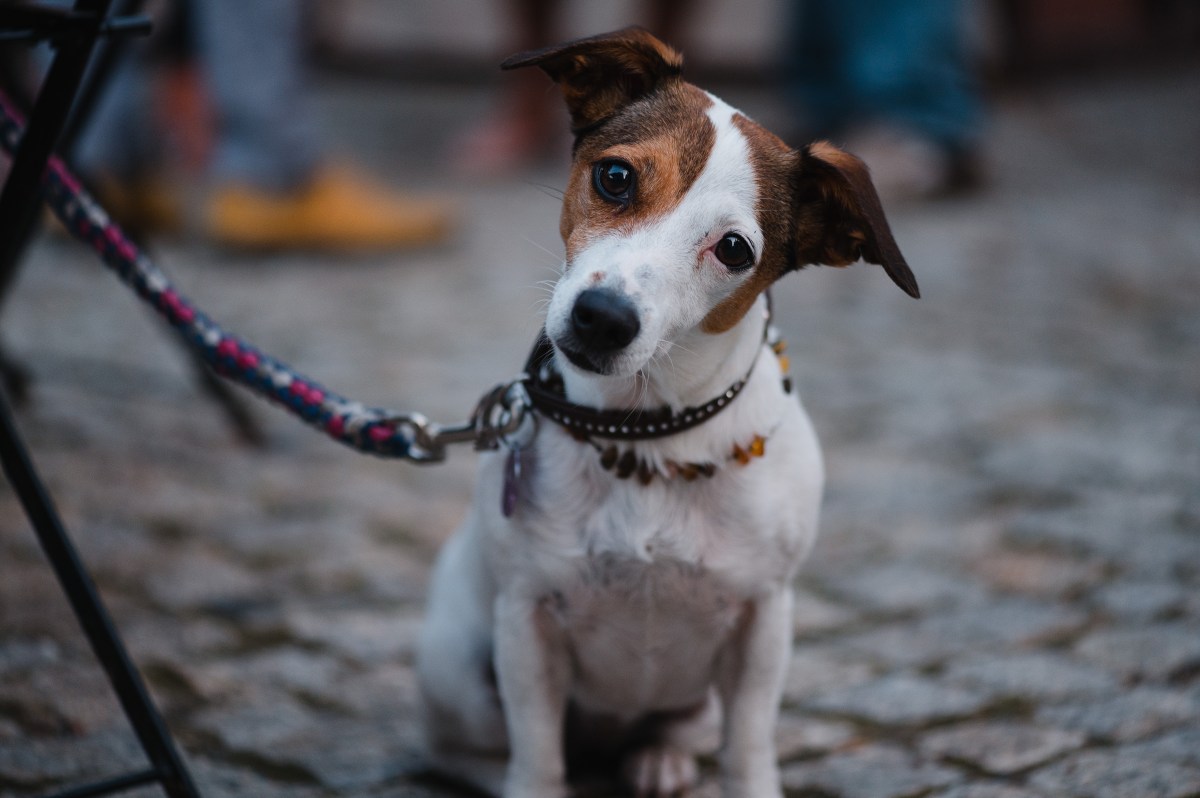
(378, 431)
(496, 420)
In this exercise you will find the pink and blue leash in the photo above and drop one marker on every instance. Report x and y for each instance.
(373, 430)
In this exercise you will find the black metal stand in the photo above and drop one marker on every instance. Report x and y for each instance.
(75, 33)
(167, 767)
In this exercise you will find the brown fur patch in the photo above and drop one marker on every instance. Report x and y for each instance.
(839, 218)
(600, 75)
(815, 206)
(773, 164)
(666, 138)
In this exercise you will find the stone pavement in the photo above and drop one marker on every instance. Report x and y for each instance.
(1003, 602)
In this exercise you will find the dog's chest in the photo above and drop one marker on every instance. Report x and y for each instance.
(646, 635)
(649, 582)
(722, 530)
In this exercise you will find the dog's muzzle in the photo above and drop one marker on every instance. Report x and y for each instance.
(603, 322)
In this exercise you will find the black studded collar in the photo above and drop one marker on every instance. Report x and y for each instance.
(547, 395)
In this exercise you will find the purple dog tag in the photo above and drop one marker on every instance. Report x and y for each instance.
(510, 493)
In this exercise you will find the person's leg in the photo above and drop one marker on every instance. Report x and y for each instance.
(251, 54)
(891, 80)
(908, 67)
(272, 184)
(526, 123)
(813, 64)
(124, 147)
(118, 140)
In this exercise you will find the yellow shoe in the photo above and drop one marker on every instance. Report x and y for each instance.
(142, 207)
(336, 211)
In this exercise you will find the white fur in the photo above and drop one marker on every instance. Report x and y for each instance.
(625, 599)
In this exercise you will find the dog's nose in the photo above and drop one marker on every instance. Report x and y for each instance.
(603, 320)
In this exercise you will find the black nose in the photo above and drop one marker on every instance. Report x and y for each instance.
(603, 320)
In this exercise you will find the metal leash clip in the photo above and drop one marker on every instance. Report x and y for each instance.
(498, 415)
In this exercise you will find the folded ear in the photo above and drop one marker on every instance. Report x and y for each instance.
(839, 218)
(601, 74)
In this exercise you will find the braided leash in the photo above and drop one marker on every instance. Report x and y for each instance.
(373, 430)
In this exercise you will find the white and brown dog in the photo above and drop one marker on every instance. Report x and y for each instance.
(637, 588)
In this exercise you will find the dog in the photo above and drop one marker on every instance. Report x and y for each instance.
(622, 582)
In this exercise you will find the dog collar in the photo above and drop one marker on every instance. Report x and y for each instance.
(547, 395)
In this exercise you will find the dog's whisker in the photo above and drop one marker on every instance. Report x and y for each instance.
(557, 256)
(548, 190)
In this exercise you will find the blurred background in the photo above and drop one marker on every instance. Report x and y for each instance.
(1003, 602)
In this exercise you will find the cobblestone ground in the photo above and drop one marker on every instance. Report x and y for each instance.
(1003, 603)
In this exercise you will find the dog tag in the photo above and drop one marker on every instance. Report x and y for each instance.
(510, 493)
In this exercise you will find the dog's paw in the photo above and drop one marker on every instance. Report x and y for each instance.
(661, 770)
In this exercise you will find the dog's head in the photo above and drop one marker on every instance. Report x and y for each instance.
(680, 211)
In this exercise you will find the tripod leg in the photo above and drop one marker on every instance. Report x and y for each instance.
(89, 609)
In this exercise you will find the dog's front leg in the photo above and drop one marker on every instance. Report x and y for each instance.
(533, 669)
(751, 676)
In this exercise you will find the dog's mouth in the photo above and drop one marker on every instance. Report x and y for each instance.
(596, 364)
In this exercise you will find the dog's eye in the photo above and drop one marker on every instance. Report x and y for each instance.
(614, 181)
(734, 252)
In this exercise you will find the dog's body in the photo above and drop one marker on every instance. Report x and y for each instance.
(641, 609)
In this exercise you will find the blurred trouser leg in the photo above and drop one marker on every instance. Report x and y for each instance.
(893, 80)
(251, 55)
(272, 187)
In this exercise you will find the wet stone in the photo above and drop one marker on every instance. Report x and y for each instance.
(901, 645)
(365, 635)
(1032, 676)
(817, 669)
(64, 696)
(999, 748)
(939, 637)
(903, 587)
(202, 580)
(381, 573)
(1151, 652)
(1141, 601)
(1127, 716)
(332, 750)
(800, 737)
(287, 668)
(1006, 622)
(155, 637)
(1181, 747)
(37, 762)
(384, 691)
(420, 789)
(900, 700)
(1114, 774)
(1039, 574)
(1139, 533)
(812, 614)
(298, 535)
(18, 654)
(215, 780)
(989, 790)
(869, 772)
(32, 605)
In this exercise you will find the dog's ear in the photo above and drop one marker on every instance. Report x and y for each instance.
(839, 218)
(601, 74)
